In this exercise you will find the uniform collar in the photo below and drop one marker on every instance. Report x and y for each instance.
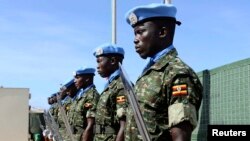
(159, 55)
(152, 60)
(112, 77)
(81, 92)
(162, 61)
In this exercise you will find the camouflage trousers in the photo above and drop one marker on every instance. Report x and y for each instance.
(77, 134)
(64, 134)
(104, 137)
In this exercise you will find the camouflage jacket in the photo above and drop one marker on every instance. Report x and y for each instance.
(168, 93)
(83, 108)
(66, 104)
(111, 106)
(54, 111)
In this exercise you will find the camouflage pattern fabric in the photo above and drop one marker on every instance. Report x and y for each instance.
(54, 111)
(169, 92)
(81, 109)
(67, 103)
(110, 109)
(62, 129)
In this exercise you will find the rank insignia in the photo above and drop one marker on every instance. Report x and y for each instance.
(178, 90)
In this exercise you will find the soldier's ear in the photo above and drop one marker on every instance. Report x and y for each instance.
(163, 32)
(113, 60)
(87, 79)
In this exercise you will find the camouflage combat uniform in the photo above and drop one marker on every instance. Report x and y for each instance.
(83, 107)
(54, 111)
(110, 109)
(62, 129)
(169, 92)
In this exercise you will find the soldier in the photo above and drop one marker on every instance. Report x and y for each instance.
(169, 92)
(70, 90)
(82, 110)
(51, 103)
(46, 131)
(54, 113)
(110, 113)
(54, 106)
(67, 88)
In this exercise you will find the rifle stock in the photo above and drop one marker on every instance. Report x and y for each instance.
(65, 119)
(54, 127)
(134, 104)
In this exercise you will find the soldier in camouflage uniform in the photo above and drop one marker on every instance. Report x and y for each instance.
(67, 90)
(169, 92)
(47, 131)
(110, 113)
(51, 102)
(54, 107)
(53, 110)
(82, 110)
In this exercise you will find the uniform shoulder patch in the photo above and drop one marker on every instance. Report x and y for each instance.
(178, 90)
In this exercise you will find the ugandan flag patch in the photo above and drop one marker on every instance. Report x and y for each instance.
(120, 99)
(87, 105)
(179, 90)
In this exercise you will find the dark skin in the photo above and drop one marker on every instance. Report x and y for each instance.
(150, 38)
(83, 81)
(71, 91)
(88, 133)
(63, 94)
(54, 98)
(50, 101)
(106, 65)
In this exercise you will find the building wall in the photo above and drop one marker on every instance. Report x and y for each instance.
(200, 132)
(230, 96)
(226, 97)
(14, 114)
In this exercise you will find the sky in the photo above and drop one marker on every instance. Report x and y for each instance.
(42, 42)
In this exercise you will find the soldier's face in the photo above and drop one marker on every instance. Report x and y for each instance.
(50, 101)
(79, 81)
(145, 40)
(55, 99)
(103, 66)
(72, 91)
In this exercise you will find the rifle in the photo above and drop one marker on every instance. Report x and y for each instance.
(134, 104)
(54, 127)
(47, 123)
(65, 119)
